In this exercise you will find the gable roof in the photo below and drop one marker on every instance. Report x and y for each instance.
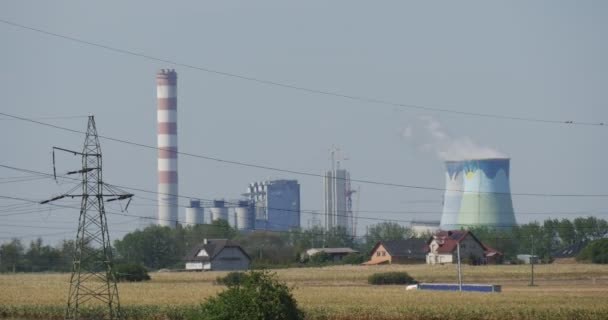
(449, 240)
(407, 248)
(570, 251)
(213, 247)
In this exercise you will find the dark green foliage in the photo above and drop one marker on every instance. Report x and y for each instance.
(354, 258)
(232, 279)
(159, 247)
(385, 231)
(259, 296)
(320, 258)
(132, 272)
(391, 278)
(595, 252)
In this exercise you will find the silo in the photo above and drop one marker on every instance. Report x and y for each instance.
(486, 200)
(194, 213)
(219, 210)
(244, 215)
(453, 195)
(166, 94)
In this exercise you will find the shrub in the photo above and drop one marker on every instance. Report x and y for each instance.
(131, 272)
(391, 278)
(354, 258)
(259, 296)
(232, 279)
(595, 252)
(320, 258)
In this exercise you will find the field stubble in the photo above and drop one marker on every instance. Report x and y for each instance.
(342, 292)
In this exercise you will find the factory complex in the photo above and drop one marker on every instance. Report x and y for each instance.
(477, 191)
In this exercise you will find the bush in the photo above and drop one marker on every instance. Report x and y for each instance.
(391, 278)
(131, 272)
(354, 258)
(259, 296)
(232, 279)
(595, 252)
(320, 258)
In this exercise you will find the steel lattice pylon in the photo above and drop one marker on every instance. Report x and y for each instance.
(92, 275)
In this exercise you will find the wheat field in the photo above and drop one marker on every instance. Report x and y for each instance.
(342, 292)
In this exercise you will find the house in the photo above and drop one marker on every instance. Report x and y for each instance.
(442, 247)
(567, 255)
(219, 255)
(398, 251)
(336, 254)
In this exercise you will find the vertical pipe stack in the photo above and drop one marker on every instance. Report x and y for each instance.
(166, 93)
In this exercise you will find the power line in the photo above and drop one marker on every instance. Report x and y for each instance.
(296, 172)
(322, 92)
(272, 231)
(309, 211)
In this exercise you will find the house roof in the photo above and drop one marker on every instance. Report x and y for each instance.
(570, 251)
(408, 248)
(313, 251)
(449, 240)
(213, 247)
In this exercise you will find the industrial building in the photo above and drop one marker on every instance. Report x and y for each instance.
(478, 193)
(276, 204)
(218, 211)
(195, 214)
(338, 200)
(166, 94)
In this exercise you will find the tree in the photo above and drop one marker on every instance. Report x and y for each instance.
(268, 248)
(566, 232)
(385, 231)
(154, 247)
(11, 256)
(595, 252)
(259, 296)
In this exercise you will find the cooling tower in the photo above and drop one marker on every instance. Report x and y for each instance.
(218, 211)
(453, 195)
(194, 213)
(486, 198)
(166, 94)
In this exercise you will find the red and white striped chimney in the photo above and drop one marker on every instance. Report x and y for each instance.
(166, 93)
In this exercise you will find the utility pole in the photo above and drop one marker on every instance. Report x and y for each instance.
(459, 268)
(532, 260)
(92, 278)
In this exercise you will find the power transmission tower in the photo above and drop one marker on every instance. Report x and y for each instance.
(92, 278)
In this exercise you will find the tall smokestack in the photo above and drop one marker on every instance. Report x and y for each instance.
(166, 94)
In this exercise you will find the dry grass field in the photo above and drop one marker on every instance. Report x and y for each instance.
(577, 291)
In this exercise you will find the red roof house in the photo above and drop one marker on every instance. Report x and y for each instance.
(442, 248)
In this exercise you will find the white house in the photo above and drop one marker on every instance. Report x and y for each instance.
(217, 254)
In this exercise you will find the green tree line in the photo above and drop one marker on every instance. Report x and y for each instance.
(158, 247)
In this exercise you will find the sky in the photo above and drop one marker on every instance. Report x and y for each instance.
(530, 59)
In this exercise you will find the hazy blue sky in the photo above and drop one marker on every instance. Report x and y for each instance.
(539, 59)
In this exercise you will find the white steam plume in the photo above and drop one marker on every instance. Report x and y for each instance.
(429, 136)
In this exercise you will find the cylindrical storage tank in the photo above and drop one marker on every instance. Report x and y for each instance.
(244, 216)
(218, 211)
(194, 213)
(166, 95)
(453, 195)
(486, 201)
